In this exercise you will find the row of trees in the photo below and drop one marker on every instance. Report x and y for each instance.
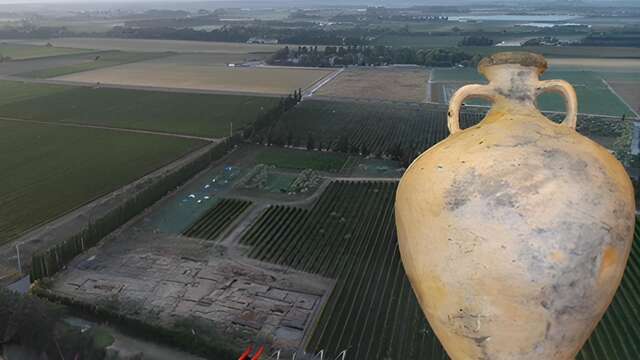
(364, 55)
(242, 33)
(270, 117)
(403, 153)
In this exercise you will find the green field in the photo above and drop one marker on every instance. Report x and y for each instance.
(101, 60)
(278, 182)
(14, 91)
(215, 221)
(301, 159)
(184, 113)
(350, 235)
(594, 97)
(49, 170)
(24, 51)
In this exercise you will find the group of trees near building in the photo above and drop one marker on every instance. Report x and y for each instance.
(371, 56)
(35, 326)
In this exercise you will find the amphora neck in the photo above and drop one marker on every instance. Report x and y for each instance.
(513, 85)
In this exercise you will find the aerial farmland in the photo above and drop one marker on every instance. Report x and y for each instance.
(149, 45)
(171, 74)
(17, 51)
(206, 115)
(384, 83)
(48, 188)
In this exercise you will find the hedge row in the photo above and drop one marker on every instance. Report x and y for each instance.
(47, 262)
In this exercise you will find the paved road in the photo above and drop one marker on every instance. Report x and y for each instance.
(429, 78)
(322, 82)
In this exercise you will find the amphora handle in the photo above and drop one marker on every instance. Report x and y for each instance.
(488, 92)
(453, 115)
(570, 99)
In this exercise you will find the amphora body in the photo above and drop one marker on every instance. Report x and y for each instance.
(515, 232)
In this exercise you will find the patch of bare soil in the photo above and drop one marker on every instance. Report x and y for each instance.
(396, 84)
(172, 75)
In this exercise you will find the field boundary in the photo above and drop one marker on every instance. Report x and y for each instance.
(137, 87)
(102, 127)
(376, 101)
(87, 52)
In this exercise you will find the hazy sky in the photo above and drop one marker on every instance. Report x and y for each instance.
(394, 3)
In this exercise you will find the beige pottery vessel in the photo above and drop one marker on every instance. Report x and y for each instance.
(515, 232)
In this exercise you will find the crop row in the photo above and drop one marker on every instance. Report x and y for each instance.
(397, 130)
(323, 239)
(277, 221)
(215, 221)
(350, 235)
(361, 127)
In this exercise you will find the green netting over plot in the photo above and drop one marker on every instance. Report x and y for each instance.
(182, 209)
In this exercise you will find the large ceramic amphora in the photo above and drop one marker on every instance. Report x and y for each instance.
(515, 232)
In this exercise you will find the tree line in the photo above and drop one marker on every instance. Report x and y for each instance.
(364, 55)
(242, 33)
(271, 116)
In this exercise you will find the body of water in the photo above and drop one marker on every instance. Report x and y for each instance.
(527, 18)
